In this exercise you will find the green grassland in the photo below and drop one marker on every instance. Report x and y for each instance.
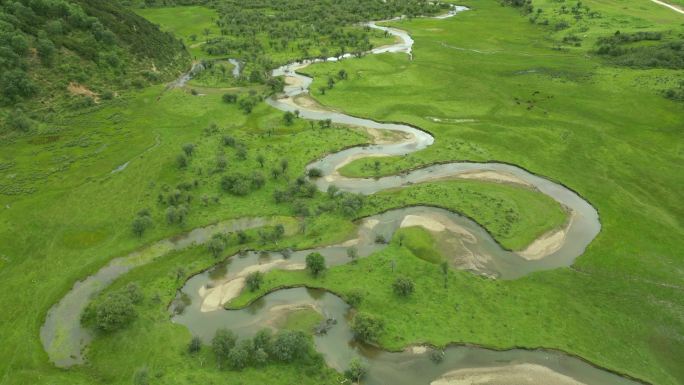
(192, 24)
(499, 91)
(64, 180)
(488, 84)
(196, 25)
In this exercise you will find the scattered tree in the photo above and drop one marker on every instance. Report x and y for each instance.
(254, 281)
(366, 327)
(315, 263)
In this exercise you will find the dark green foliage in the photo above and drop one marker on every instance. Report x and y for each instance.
(262, 340)
(366, 327)
(255, 29)
(216, 246)
(403, 286)
(18, 121)
(354, 297)
(181, 161)
(254, 280)
(188, 149)
(356, 371)
(95, 42)
(288, 118)
(524, 5)
(114, 312)
(289, 346)
(314, 173)
(240, 185)
(141, 223)
(621, 50)
(239, 356)
(195, 345)
(229, 98)
(223, 342)
(676, 93)
(315, 263)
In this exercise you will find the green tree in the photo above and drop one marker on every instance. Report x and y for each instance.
(46, 51)
(366, 327)
(114, 312)
(289, 346)
(140, 224)
(16, 84)
(238, 357)
(315, 263)
(254, 281)
(223, 342)
(216, 246)
(288, 118)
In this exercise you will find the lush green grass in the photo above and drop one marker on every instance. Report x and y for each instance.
(186, 22)
(200, 22)
(63, 181)
(219, 75)
(420, 243)
(508, 212)
(598, 129)
(501, 93)
(85, 212)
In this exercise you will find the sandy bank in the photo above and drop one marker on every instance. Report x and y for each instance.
(215, 297)
(518, 374)
(548, 243)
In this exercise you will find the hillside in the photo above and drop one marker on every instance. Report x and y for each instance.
(61, 54)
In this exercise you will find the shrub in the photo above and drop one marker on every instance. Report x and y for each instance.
(188, 149)
(356, 371)
(195, 345)
(314, 173)
(229, 98)
(403, 286)
(355, 297)
(437, 356)
(181, 161)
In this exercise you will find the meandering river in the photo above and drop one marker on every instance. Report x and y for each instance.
(469, 247)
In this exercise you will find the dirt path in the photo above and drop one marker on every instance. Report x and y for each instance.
(668, 5)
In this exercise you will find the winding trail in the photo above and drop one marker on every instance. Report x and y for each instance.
(64, 339)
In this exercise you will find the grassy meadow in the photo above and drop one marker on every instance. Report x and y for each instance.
(498, 91)
(488, 84)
